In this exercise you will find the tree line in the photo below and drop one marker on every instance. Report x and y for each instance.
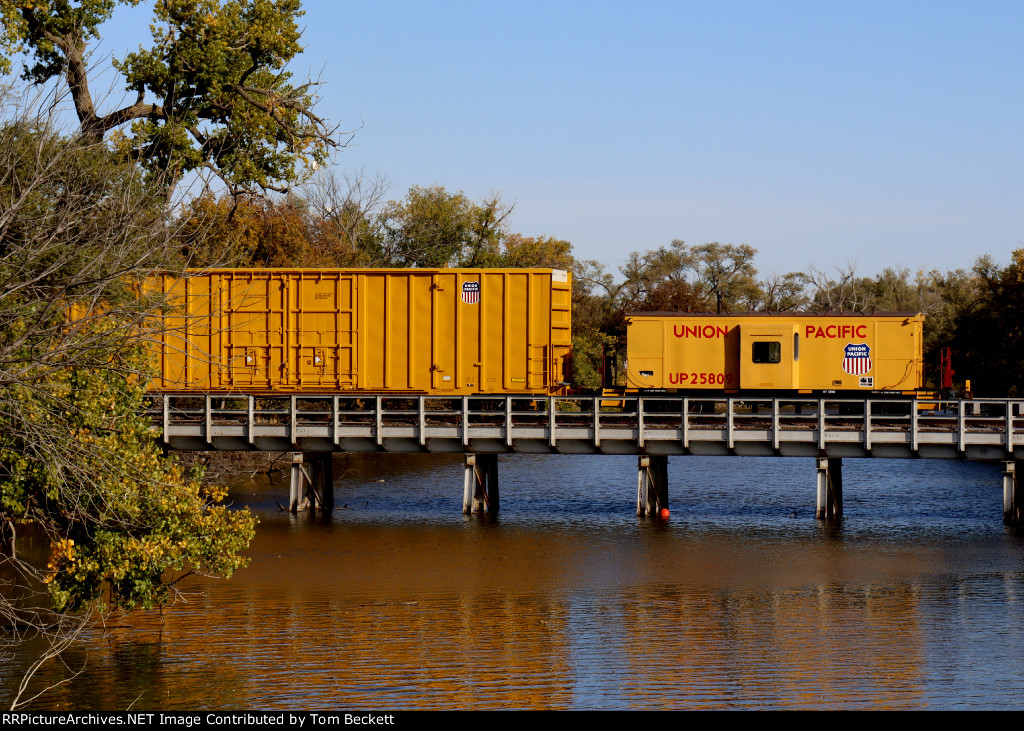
(343, 221)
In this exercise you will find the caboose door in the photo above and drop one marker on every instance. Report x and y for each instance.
(769, 357)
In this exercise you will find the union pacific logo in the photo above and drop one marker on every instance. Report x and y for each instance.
(857, 359)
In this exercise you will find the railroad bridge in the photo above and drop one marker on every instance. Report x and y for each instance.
(654, 428)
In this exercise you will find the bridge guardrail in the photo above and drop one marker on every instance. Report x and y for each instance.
(976, 428)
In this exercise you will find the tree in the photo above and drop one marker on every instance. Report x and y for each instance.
(783, 292)
(846, 292)
(211, 94)
(434, 228)
(725, 273)
(545, 252)
(246, 231)
(344, 211)
(339, 222)
(659, 280)
(957, 292)
(682, 278)
(80, 233)
(989, 336)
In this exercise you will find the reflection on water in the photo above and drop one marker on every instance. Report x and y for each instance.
(742, 599)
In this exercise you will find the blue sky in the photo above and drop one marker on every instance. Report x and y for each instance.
(881, 133)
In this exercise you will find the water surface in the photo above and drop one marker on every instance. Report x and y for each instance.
(740, 600)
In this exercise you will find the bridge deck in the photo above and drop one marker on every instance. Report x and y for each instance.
(983, 429)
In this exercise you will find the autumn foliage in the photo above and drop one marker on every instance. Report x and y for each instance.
(79, 460)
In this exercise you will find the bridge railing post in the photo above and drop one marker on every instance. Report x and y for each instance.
(961, 425)
(250, 407)
(508, 421)
(730, 407)
(821, 424)
(686, 424)
(552, 423)
(208, 419)
(640, 422)
(378, 430)
(336, 421)
(167, 418)
(913, 427)
(867, 424)
(465, 421)
(775, 425)
(1010, 407)
(421, 407)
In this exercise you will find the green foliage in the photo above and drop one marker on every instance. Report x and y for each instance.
(682, 278)
(431, 227)
(783, 293)
(543, 252)
(658, 280)
(80, 232)
(726, 271)
(588, 351)
(211, 92)
(78, 458)
(989, 336)
(72, 215)
(248, 231)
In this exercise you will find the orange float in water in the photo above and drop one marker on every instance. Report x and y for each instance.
(664, 513)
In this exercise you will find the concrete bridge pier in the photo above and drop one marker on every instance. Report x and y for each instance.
(311, 484)
(1013, 492)
(651, 484)
(830, 488)
(480, 484)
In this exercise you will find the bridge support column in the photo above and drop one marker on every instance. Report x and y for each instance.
(1013, 492)
(830, 488)
(311, 484)
(480, 484)
(651, 484)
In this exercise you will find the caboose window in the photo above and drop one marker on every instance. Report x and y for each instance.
(767, 352)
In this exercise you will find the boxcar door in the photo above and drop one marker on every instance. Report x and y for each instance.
(444, 302)
(252, 308)
(324, 346)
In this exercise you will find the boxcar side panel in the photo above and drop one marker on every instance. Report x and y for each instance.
(438, 331)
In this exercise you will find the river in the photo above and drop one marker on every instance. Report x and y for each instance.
(741, 599)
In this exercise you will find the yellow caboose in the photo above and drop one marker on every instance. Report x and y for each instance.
(760, 352)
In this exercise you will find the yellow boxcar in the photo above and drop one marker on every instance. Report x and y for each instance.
(417, 331)
(769, 352)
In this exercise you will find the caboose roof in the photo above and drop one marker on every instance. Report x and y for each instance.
(876, 313)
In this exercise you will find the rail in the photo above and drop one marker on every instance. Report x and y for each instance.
(984, 429)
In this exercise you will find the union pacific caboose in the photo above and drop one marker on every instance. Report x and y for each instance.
(775, 353)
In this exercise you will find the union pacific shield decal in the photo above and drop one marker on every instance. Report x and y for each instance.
(857, 359)
(471, 292)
